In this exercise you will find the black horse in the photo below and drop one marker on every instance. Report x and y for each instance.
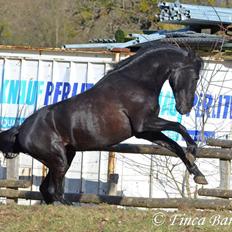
(122, 104)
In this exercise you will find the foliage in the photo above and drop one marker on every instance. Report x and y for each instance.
(4, 32)
(52, 23)
(120, 36)
(144, 6)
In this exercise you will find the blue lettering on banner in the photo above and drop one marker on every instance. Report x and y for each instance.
(218, 107)
(197, 135)
(66, 91)
(21, 92)
(49, 90)
(8, 122)
(61, 90)
(26, 92)
(168, 109)
(168, 106)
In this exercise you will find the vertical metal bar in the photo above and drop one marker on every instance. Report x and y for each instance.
(37, 89)
(151, 178)
(81, 177)
(2, 87)
(32, 175)
(99, 174)
(87, 72)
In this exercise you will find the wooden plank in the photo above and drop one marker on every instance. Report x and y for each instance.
(13, 194)
(222, 193)
(128, 201)
(15, 183)
(219, 143)
(212, 153)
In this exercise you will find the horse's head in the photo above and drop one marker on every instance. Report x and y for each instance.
(183, 80)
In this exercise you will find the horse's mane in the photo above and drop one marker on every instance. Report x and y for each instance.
(149, 47)
(143, 51)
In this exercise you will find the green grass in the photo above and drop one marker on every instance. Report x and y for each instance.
(106, 218)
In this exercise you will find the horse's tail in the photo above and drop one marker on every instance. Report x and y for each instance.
(8, 144)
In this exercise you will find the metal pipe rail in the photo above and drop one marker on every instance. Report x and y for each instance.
(178, 13)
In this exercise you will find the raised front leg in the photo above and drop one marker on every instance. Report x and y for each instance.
(160, 124)
(163, 140)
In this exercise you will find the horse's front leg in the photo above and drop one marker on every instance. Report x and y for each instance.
(162, 140)
(160, 124)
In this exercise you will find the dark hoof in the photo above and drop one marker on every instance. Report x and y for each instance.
(190, 157)
(200, 180)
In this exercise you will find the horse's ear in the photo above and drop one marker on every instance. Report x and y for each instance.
(191, 53)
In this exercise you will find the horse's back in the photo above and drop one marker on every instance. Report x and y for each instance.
(102, 116)
(85, 122)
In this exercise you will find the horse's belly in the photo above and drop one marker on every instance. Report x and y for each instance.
(96, 133)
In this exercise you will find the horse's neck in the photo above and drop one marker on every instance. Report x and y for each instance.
(152, 73)
(156, 67)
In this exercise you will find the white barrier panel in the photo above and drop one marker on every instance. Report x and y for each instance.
(32, 79)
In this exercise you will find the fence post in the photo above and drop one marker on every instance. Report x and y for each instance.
(112, 177)
(12, 172)
(225, 172)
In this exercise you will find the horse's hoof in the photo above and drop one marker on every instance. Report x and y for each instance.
(190, 157)
(200, 180)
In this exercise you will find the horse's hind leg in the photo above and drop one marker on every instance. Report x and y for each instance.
(52, 187)
(45, 191)
(164, 141)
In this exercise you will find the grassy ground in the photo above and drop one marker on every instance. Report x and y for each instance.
(109, 218)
